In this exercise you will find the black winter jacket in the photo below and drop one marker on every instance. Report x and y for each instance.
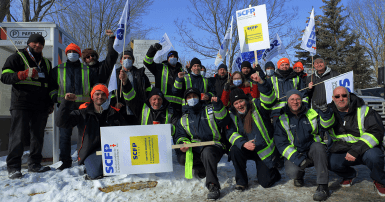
(26, 96)
(372, 124)
(89, 124)
(317, 95)
(219, 84)
(196, 82)
(104, 68)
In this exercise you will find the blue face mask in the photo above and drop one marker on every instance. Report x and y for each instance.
(73, 57)
(173, 61)
(127, 63)
(203, 73)
(237, 82)
(106, 104)
(192, 102)
(270, 72)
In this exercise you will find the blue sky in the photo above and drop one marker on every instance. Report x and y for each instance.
(163, 13)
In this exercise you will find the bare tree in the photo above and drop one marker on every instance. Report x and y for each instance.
(4, 8)
(87, 20)
(213, 17)
(367, 17)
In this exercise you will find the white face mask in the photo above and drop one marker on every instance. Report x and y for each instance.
(173, 61)
(73, 57)
(106, 104)
(192, 102)
(127, 63)
(270, 72)
(237, 82)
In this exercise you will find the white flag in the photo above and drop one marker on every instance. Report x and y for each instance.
(276, 47)
(225, 43)
(123, 33)
(237, 62)
(166, 46)
(309, 38)
(113, 84)
(345, 80)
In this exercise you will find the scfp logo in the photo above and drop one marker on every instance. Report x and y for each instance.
(108, 159)
(246, 12)
(134, 151)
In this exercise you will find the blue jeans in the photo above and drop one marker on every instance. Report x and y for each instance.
(65, 144)
(94, 165)
(373, 158)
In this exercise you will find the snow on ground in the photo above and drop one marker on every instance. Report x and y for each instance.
(69, 185)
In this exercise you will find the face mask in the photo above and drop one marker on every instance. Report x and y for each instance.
(73, 57)
(127, 63)
(237, 82)
(270, 72)
(192, 102)
(105, 105)
(203, 73)
(173, 61)
(242, 112)
(194, 73)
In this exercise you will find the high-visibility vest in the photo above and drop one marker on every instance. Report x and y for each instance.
(146, 114)
(311, 115)
(368, 138)
(209, 109)
(269, 149)
(61, 78)
(29, 81)
(188, 83)
(163, 87)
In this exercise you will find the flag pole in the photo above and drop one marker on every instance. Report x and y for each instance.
(231, 40)
(124, 46)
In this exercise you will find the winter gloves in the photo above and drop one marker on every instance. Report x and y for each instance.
(30, 72)
(157, 46)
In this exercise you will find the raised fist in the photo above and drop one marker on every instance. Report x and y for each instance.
(157, 46)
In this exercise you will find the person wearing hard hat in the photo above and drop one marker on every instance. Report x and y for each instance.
(30, 104)
(71, 77)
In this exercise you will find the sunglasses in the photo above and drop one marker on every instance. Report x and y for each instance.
(90, 56)
(343, 95)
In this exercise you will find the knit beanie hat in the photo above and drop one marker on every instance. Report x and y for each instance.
(246, 64)
(101, 87)
(87, 52)
(36, 38)
(191, 90)
(222, 66)
(282, 60)
(174, 53)
(291, 92)
(269, 64)
(237, 94)
(128, 52)
(74, 47)
(195, 61)
(298, 64)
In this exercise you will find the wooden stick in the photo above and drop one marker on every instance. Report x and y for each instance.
(24, 59)
(304, 89)
(312, 65)
(193, 144)
(178, 146)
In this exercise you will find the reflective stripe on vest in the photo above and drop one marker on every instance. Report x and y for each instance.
(62, 75)
(174, 99)
(130, 95)
(146, 114)
(187, 79)
(29, 81)
(274, 80)
(163, 85)
(211, 121)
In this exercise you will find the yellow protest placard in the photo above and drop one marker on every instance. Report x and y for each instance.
(253, 33)
(144, 150)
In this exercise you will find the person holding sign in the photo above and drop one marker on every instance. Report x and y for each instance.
(193, 80)
(251, 134)
(297, 137)
(154, 110)
(284, 80)
(89, 118)
(200, 123)
(317, 94)
(165, 73)
(356, 139)
(28, 73)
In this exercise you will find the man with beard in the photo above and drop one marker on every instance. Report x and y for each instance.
(30, 104)
(71, 77)
(298, 139)
(284, 80)
(193, 80)
(165, 73)
(89, 118)
(356, 139)
(317, 94)
(140, 82)
(104, 68)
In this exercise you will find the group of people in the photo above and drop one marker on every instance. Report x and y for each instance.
(249, 115)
